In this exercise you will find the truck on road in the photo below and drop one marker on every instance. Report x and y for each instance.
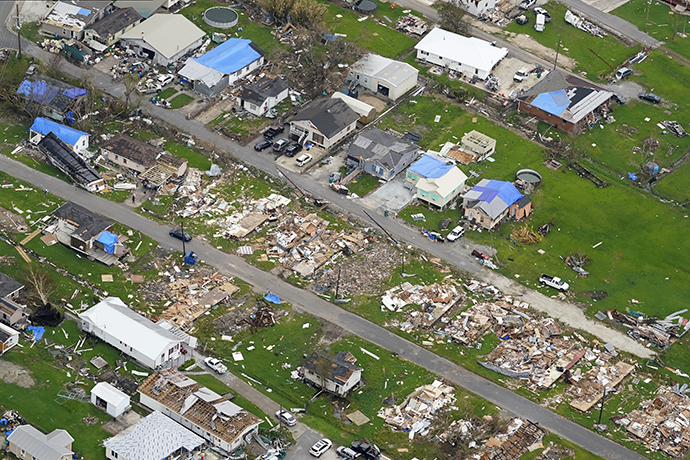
(554, 282)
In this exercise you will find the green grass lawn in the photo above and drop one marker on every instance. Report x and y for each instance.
(577, 43)
(660, 25)
(194, 158)
(180, 101)
(368, 34)
(364, 184)
(167, 93)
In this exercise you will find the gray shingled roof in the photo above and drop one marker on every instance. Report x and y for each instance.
(116, 21)
(330, 116)
(375, 144)
(8, 285)
(135, 150)
(40, 446)
(262, 89)
(90, 224)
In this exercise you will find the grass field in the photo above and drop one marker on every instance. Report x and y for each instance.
(576, 43)
(661, 23)
(180, 101)
(194, 158)
(166, 93)
(363, 184)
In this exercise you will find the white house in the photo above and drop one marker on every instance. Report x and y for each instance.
(334, 373)
(438, 182)
(27, 443)
(222, 423)
(78, 140)
(109, 398)
(384, 76)
(261, 96)
(136, 336)
(8, 338)
(469, 56)
(155, 436)
(164, 38)
(324, 122)
(221, 67)
(476, 7)
(366, 112)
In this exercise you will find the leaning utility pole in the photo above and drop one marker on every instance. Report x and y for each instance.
(558, 49)
(19, 35)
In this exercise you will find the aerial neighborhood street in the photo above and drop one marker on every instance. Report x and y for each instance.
(413, 230)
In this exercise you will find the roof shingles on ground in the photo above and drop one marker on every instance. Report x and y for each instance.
(133, 149)
(330, 116)
(90, 224)
(62, 154)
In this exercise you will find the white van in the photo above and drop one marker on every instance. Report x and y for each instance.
(539, 25)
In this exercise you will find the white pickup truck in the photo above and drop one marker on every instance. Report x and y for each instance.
(554, 282)
(216, 365)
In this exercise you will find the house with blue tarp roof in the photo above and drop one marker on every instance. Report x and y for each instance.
(490, 201)
(565, 101)
(78, 140)
(55, 99)
(437, 181)
(223, 65)
(69, 20)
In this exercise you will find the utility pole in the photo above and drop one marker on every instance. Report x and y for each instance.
(184, 248)
(601, 411)
(337, 283)
(19, 36)
(402, 269)
(558, 49)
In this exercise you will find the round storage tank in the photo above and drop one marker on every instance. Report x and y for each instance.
(366, 7)
(221, 17)
(529, 176)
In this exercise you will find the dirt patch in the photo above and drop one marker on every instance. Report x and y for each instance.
(331, 333)
(373, 101)
(12, 222)
(16, 374)
(528, 43)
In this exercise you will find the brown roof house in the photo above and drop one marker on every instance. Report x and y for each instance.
(334, 373)
(222, 423)
(10, 312)
(565, 101)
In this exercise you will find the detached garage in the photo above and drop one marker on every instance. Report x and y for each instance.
(110, 399)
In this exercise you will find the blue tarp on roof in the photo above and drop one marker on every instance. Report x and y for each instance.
(38, 91)
(273, 298)
(231, 56)
(75, 92)
(505, 191)
(554, 102)
(68, 135)
(431, 167)
(108, 239)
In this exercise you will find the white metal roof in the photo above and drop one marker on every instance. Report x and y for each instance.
(39, 445)
(109, 393)
(393, 72)
(156, 436)
(445, 184)
(128, 326)
(168, 34)
(471, 51)
(196, 71)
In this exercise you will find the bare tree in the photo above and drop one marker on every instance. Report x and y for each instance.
(322, 367)
(307, 13)
(43, 285)
(453, 18)
(130, 82)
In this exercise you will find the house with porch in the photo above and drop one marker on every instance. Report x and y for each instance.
(264, 94)
(335, 373)
(491, 201)
(437, 181)
(324, 122)
(381, 154)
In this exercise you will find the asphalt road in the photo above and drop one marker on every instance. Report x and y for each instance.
(235, 266)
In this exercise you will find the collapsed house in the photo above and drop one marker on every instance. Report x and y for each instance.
(659, 332)
(589, 388)
(519, 437)
(663, 423)
(61, 155)
(416, 413)
(336, 374)
(433, 300)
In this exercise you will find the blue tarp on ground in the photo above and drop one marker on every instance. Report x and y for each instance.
(273, 298)
(190, 258)
(109, 240)
(554, 102)
(66, 134)
(431, 167)
(231, 56)
(38, 332)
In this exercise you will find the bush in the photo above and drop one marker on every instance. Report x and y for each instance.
(187, 364)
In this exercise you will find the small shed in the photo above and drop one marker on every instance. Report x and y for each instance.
(110, 399)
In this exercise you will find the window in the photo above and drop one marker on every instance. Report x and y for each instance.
(114, 454)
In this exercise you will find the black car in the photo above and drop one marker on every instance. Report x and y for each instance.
(617, 97)
(180, 235)
(293, 150)
(650, 97)
(366, 450)
(263, 144)
(271, 132)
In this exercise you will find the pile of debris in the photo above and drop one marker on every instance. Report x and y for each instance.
(675, 128)
(411, 24)
(588, 389)
(520, 436)
(416, 413)
(659, 332)
(662, 424)
(583, 24)
(434, 301)
(241, 223)
(473, 323)
(237, 319)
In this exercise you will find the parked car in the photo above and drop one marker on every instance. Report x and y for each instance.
(527, 4)
(366, 450)
(522, 19)
(456, 233)
(554, 282)
(180, 235)
(303, 159)
(150, 87)
(346, 453)
(263, 144)
(286, 417)
(623, 72)
(521, 75)
(31, 70)
(216, 365)
(540, 10)
(280, 145)
(619, 98)
(320, 447)
(293, 149)
(274, 130)
(444, 224)
(650, 97)
(165, 79)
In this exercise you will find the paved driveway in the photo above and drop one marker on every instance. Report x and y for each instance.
(391, 196)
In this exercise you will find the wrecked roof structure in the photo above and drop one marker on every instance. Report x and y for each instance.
(221, 422)
(520, 435)
(133, 150)
(433, 300)
(88, 224)
(415, 414)
(335, 373)
(588, 389)
(488, 202)
(69, 162)
(56, 99)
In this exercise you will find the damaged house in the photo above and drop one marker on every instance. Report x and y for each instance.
(219, 421)
(381, 154)
(264, 94)
(336, 374)
(491, 201)
(10, 311)
(68, 161)
(54, 99)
